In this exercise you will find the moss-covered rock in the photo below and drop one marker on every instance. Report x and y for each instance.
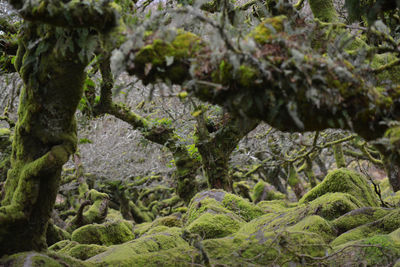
(329, 207)
(76, 250)
(36, 259)
(384, 225)
(275, 205)
(210, 225)
(345, 181)
(173, 220)
(162, 248)
(264, 191)
(377, 250)
(359, 217)
(393, 199)
(221, 202)
(265, 249)
(104, 234)
(315, 224)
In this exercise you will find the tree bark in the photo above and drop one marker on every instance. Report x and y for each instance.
(215, 148)
(45, 137)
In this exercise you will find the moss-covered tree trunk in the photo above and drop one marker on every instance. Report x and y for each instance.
(392, 166)
(216, 147)
(45, 136)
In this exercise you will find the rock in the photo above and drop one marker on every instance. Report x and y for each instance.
(104, 234)
(344, 181)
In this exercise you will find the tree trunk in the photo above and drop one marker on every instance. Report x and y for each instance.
(392, 166)
(45, 137)
(216, 147)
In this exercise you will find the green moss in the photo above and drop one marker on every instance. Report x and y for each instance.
(95, 195)
(394, 199)
(386, 189)
(104, 234)
(376, 250)
(329, 207)
(268, 29)
(275, 205)
(359, 217)
(265, 191)
(210, 225)
(173, 220)
(316, 224)
(241, 207)
(113, 215)
(392, 74)
(346, 181)
(5, 132)
(384, 225)
(265, 249)
(393, 134)
(76, 250)
(160, 54)
(146, 250)
(36, 259)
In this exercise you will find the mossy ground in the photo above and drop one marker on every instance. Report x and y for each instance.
(332, 225)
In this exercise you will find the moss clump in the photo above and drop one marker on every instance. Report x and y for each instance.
(161, 54)
(359, 217)
(104, 234)
(210, 225)
(173, 220)
(316, 224)
(384, 225)
(333, 205)
(275, 205)
(241, 207)
(162, 248)
(265, 249)
(76, 250)
(220, 202)
(264, 191)
(36, 259)
(329, 207)
(345, 181)
(377, 250)
(268, 29)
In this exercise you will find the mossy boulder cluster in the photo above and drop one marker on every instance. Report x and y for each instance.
(337, 223)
